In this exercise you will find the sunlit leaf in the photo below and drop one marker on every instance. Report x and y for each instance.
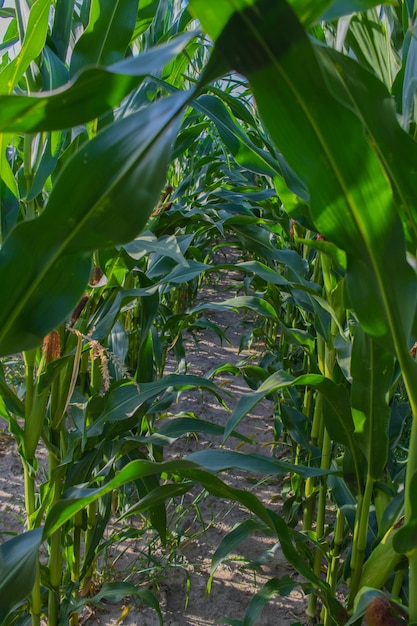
(91, 92)
(31, 47)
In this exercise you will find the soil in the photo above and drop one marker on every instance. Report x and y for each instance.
(178, 574)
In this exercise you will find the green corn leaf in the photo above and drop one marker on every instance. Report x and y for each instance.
(61, 30)
(145, 15)
(7, 178)
(245, 152)
(32, 45)
(339, 8)
(337, 413)
(325, 144)
(75, 499)
(147, 243)
(18, 565)
(221, 460)
(372, 371)
(155, 498)
(91, 92)
(114, 591)
(366, 596)
(108, 34)
(180, 274)
(369, 39)
(309, 12)
(253, 303)
(179, 426)
(51, 255)
(125, 399)
(285, 535)
(273, 587)
(232, 540)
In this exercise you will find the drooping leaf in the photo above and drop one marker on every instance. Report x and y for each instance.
(124, 400)
(76, 499)
(91, 92)
(221, 460)
(275, 586)
(126, 165)
(232, 540)
(245, 152)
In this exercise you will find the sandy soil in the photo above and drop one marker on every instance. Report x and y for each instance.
(179, 575)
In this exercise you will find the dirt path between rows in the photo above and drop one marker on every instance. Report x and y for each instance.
(178, 575)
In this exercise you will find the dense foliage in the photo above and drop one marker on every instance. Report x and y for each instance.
(132, 148)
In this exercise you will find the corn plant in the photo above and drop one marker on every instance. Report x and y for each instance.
(115, 120)
(337, 160)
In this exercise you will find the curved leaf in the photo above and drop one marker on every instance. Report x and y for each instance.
(32, 45)
(92, 92)
(221, 460)
(325, 144)
(75, 499)
(18, 566)
(120, 172)
(372, 102)
(126, 399)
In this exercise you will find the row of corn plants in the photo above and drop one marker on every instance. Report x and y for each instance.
(130, 150)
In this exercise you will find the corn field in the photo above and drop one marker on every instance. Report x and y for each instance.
(145, 147)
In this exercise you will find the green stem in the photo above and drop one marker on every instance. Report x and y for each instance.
(359, 540)
(339, 532)
(29, 358)
(91, 523)
(409, 372)
(55, 544)
(397, 583)
(310, 491)
(29, 477)
(321, 519)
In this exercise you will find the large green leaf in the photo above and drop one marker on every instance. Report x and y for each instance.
(102, 198)
(325, 144)
(372, 102)
(76, 499)
(18, 565)
(124, 400)
(108, 34)
(253, 303)
(245, 152)
(92, 92)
